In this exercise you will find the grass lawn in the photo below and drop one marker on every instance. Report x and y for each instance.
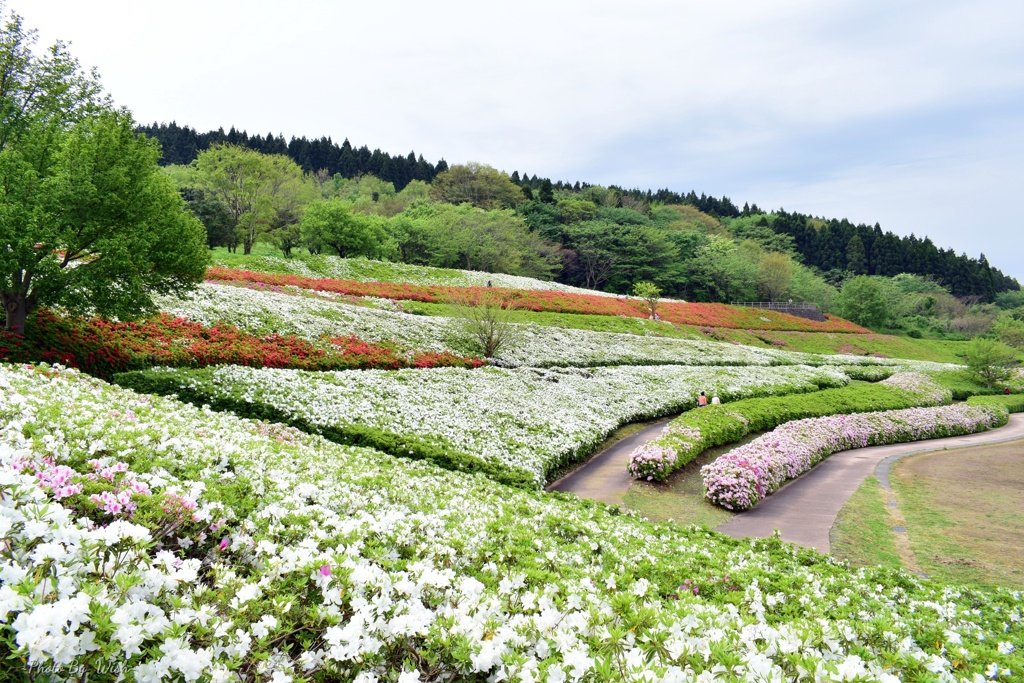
(965, 513)
(862, 533)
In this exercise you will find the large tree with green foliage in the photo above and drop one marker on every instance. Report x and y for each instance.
(333, 223)
(478, 184)
(88, 221)
(863, 300)
(262, 192)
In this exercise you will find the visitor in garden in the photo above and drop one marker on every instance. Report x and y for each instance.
(715, 400)
(702, 400)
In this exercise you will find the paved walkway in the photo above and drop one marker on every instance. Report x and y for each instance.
(604, 476)
(805, 509)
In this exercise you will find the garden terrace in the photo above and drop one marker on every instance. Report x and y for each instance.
(712, 315)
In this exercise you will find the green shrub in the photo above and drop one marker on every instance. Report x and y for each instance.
(1014, 403)
(695, 431)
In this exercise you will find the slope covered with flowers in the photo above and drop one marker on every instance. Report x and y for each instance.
(713, 315)
(516, 424)
(103, 348)
(159, 541)
(262, 310)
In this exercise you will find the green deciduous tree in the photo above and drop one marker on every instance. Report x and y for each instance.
(774, 274)
(864, 301)
(333, 223)
(477, 184)
(989, 361)
(88, 222)
(650, 293)
(101, 231)
(262, 192)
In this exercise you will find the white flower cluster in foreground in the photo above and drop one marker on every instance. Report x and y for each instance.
(311, 316)
(297, 559)
(526, 419)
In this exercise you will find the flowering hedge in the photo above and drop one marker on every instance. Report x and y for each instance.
(695, 431)
(255, 553)
(713, 315)
(746, 475)
(104, 348)
(514, 425)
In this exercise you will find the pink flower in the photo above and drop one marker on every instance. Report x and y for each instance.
(224, 543)
(325, 570)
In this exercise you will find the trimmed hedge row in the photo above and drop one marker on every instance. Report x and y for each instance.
(695, 431)
(435, 450)
(1014, 403)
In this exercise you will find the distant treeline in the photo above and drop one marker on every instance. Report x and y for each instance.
(828, 245)
(182, 145)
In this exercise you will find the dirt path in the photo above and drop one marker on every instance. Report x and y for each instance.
(604, 476)
(805, 509)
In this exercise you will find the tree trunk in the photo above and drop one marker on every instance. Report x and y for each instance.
(16, 307)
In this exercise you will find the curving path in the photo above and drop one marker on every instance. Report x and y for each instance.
(604, 476)
(805, 509)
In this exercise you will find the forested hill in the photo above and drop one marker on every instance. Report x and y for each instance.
(834, 247)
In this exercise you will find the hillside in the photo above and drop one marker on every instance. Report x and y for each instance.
(385, 522)
(581, 218)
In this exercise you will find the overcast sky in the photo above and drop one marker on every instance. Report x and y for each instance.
(906, 113)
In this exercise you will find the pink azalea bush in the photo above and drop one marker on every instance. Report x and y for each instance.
(744, 476)
(694, 431)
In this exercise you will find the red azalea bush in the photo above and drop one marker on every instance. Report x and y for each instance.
(709, 315)
(104, 348)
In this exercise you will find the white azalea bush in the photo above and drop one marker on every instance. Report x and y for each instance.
(515, 424)
(312, 315)
(255, 552)
(743, 477)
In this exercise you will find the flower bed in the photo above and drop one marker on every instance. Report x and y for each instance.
(260, 553)
(262, 311)
(746, 475)
(515, 425)
(715, 315)
(695, 431)
(104, 348)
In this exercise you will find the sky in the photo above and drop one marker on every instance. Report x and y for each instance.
(909, 114)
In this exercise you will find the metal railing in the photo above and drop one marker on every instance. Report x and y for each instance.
(802, 310)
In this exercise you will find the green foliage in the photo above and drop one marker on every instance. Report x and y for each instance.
(649, 292)
(1013, 403)
(100, 212)
(447, 236)
(775, 273)
(989, 361)
(191, 386)
(863, 301)
(263, 193)
(697, 430)
(478, 184)
(1010, 331)
(333, 223)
